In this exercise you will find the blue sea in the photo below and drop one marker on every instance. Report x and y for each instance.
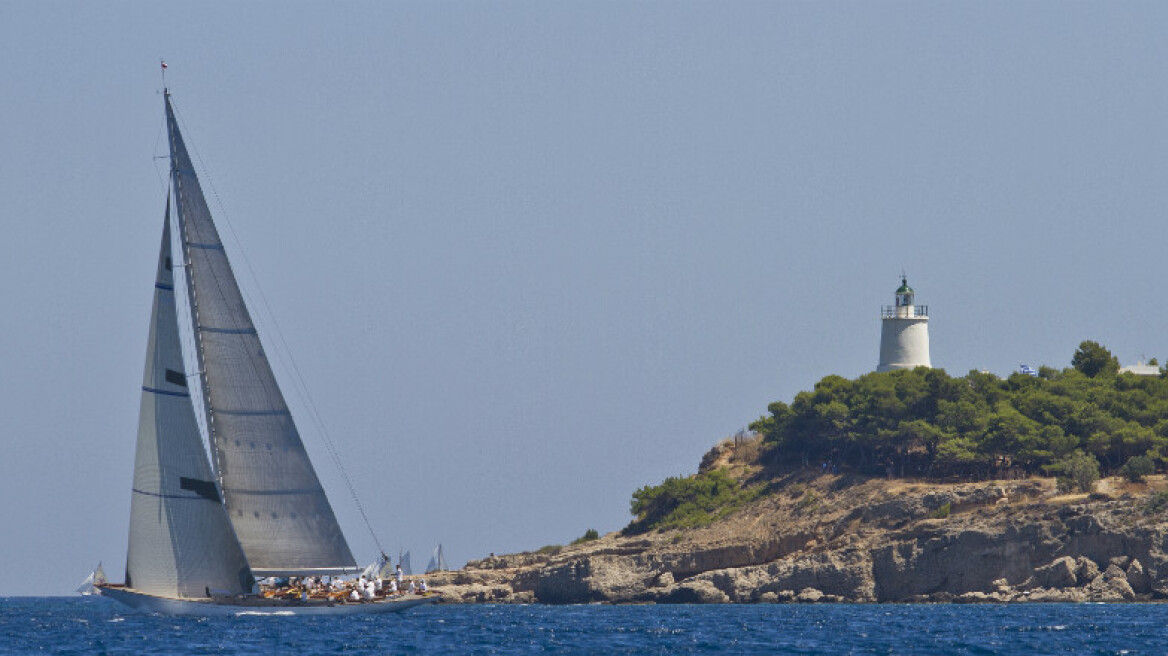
(100, 626)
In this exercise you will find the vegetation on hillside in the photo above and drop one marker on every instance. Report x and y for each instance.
(923, 422)
(589, 535)
(1076, 423)
(688, 502)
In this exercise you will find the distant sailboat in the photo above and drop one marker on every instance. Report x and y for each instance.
(89, 585)
(200, 532)
(437, 561)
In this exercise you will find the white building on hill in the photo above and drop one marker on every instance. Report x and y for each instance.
(904, 333)
(1141, 369)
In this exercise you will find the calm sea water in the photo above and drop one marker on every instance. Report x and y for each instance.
(100, 626)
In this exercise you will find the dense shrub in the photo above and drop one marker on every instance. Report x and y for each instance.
(1077, 471)
(1157, 502)
(589, 535)
(686, 502)
(1137, 467)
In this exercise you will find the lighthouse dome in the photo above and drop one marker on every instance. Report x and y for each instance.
(904, 294)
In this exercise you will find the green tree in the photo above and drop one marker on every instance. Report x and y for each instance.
(924, 422)
(589, 535)
(1079, 469)
(1093, 359)
(684, 502)
(1137, 467)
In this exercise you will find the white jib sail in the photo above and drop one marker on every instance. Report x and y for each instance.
(181, 544)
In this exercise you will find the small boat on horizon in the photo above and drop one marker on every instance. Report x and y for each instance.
(202, 530)
(437, 561)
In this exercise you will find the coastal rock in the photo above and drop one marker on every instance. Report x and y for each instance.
(1057, 595)
(1137, 578)
(694, 592)
(592, 578)
(863, 541)
(1087, 569)
(1111, 585)
(966, 561)
(477, 594)
(809, 596)
(977, 597)
(1058, 574)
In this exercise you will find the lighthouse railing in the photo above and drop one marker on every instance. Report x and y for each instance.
(900, 311)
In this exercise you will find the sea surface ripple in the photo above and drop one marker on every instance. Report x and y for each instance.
(58, 625)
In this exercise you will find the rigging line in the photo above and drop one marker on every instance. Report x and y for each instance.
(301, 386)
(163, 183)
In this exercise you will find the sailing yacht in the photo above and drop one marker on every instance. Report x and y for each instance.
(437, 561)
(89, 585)
(202, 530)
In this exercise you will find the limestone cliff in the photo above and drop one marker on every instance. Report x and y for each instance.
(822, 537)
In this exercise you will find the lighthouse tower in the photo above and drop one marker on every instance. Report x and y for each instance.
(904, 333)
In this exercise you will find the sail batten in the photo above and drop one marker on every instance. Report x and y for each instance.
(272, 494)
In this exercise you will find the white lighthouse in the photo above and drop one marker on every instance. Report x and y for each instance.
(904, 332)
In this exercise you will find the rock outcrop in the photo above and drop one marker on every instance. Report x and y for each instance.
(860, 541)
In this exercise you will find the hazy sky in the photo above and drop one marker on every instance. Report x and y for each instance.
(530, 256)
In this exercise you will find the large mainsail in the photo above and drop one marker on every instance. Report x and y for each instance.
(273, 497)
(181, 544)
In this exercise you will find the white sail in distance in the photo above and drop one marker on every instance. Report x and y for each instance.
(89, 585)
(273, 497)
(437, 561)
(181, 543)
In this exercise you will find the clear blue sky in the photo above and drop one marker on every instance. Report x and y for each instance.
(531, 256)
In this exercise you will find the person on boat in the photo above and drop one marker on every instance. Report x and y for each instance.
(423, 588)
(377, 585)
(353, 596)
(413, 588)
(397, 574)
(392, 586)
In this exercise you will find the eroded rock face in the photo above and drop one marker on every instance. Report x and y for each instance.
(1111, 585)
(1139, 580)
(877, 541)
(1059, 574)
(693, 592)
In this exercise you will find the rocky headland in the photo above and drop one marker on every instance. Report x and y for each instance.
(821, 537)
